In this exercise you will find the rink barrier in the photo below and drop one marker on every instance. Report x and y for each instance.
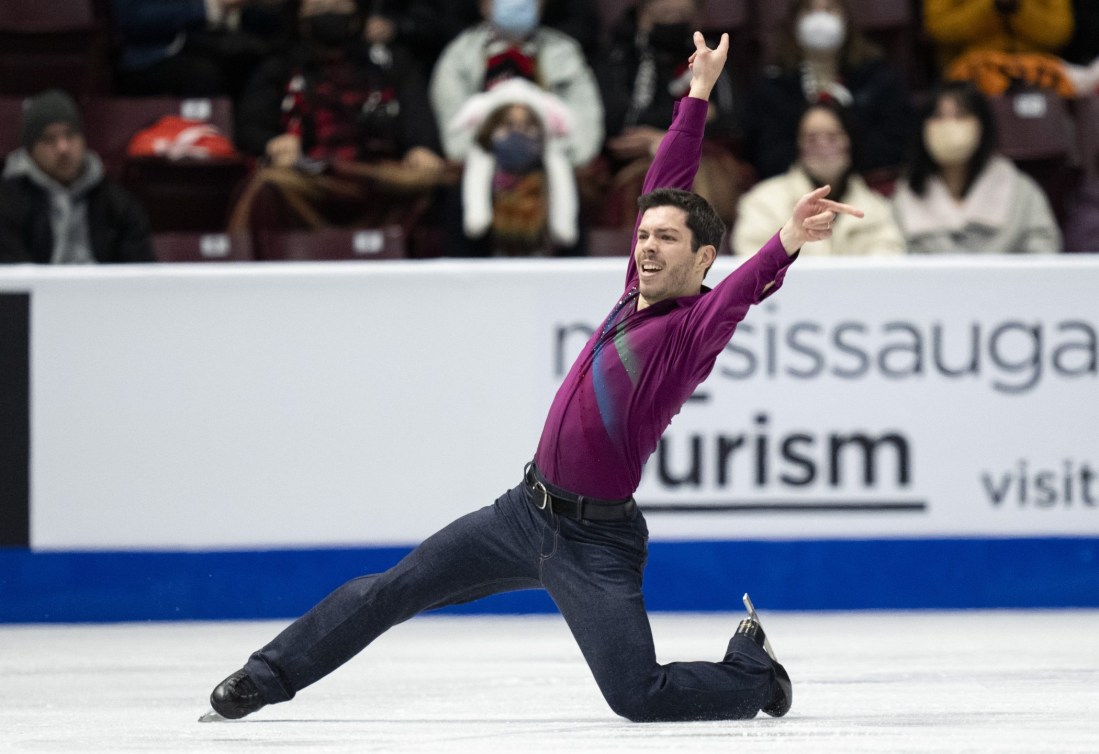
(681, 576)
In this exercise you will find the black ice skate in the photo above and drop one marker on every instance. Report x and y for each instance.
(783, 695)
(234, 698)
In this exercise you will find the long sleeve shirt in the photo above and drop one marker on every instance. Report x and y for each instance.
(640, 367)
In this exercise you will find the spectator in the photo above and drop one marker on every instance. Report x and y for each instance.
(822, 55)
(343, 127)
(56, 205)
(959, 195)
(642, 76)
(192, 48)
(511, 43)
(825, 149)
(517, 184)
(1001, 44)
(577, 18)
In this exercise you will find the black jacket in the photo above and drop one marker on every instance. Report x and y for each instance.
(118, 225)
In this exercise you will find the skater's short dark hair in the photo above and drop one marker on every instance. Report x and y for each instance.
(707, 228)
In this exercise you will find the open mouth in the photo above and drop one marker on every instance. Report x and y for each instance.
(648, 269)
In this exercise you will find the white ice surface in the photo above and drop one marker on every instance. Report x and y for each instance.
(863, 682)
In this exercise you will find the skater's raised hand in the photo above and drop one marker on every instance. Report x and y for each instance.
(706, 65)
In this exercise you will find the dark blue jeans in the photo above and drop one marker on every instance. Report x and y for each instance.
(593, 572)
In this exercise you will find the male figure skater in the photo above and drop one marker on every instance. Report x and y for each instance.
(571, 526)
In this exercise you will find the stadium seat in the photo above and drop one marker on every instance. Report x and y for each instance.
(334, 244)
(11, 126)
(189, 195)
(52, 43)
(202, 247)
(1036, 130)
(110, 122)
(1087, 130)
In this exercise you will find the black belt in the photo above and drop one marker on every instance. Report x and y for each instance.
(581, 507)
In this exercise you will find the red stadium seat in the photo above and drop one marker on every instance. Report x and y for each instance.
(202, 247)
(189, 195)
(335, 244)
(52, 43)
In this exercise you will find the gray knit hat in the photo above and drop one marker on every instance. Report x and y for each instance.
(45, 109)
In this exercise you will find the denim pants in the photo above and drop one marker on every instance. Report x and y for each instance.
(591, 569)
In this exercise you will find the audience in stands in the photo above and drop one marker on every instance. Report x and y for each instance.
(343, 127)
(577, 18)
(826, 147)
(192, 48)
(822, 55)
(1004, 44)
(518, 189)
(510, 43)
(641, 77)
(958, 195)
(56, 205)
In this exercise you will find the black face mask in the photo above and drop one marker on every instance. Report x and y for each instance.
(674, 39)
(333, 29)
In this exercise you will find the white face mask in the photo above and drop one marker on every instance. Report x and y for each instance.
(952, 141)
(821, 31)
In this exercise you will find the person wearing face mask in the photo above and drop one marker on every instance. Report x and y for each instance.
(821, 55)
(958, 195)
(519, 195)
(342, 127)
(641, 76)
(509, 43)
(826, 152)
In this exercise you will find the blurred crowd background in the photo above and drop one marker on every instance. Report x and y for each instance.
(194, 130)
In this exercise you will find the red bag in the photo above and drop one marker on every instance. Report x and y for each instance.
(178, 138)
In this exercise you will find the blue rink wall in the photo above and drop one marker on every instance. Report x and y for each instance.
(681, 576)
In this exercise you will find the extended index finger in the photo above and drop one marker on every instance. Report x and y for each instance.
(843, 209)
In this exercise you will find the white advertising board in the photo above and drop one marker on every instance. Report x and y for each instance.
(227, 406)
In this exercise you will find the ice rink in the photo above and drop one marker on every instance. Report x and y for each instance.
(863, 682)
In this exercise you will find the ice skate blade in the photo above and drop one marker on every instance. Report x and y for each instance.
(212, 717)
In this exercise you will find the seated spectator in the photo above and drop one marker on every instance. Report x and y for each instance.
(825, 149)
(344, 129)
(517, 185)
(56, 206)
(1004, 44)
(822, 55)
(512, 43)
(642, 76)
(959, 195)
(189, 48)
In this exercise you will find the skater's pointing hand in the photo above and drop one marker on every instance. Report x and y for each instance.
(813, 219)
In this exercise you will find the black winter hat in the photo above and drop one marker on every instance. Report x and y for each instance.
(44, 109)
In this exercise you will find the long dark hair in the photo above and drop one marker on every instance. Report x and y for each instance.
(856, 49)
(921, 165)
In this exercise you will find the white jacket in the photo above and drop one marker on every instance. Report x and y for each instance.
(763, 210)
(1004, 211)
(563, 71)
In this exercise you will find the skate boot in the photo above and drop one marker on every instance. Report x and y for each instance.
(235, 697)
(782, 696)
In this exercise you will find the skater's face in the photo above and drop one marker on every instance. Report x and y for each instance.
(667, 264)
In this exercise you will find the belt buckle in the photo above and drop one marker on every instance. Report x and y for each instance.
(539, 487)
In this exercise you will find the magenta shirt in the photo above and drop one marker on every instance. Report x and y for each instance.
(640, 367)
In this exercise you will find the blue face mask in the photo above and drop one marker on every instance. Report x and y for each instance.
(517, 153)
(516, 18)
